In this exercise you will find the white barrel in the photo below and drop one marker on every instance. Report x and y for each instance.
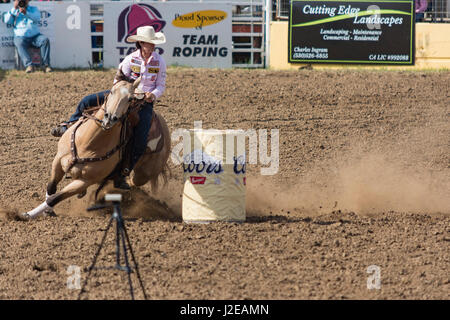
(214, 176)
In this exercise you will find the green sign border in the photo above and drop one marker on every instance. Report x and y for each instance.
(412, 38)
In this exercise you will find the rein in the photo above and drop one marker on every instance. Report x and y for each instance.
(87, 114)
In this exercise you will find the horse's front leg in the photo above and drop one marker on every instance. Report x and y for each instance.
(56, 176)
(73, 188)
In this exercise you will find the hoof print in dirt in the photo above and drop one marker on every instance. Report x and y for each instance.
(44, 266)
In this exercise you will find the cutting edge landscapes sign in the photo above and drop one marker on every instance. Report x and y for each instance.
(352, 31)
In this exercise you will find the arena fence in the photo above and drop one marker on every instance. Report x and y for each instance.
(249, 30)
(437, 11)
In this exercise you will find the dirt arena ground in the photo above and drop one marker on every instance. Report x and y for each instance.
(363, 180)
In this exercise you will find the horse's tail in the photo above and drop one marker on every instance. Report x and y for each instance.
(153, 167)
(164, 170)
(165, 174)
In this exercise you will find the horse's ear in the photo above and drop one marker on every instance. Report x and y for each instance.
(136, 83)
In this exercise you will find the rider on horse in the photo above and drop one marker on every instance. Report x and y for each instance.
(146, 63)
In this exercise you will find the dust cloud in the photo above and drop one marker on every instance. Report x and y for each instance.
(136, 203)
(367, 186)
(360, 181)
(8, 213)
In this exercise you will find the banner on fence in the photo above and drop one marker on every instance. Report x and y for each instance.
(198, 34)
(67, 26)
(7, 60)
(339, 31)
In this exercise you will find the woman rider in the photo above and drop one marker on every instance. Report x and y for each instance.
(148, 64)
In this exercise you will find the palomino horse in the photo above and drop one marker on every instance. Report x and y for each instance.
(90, 155)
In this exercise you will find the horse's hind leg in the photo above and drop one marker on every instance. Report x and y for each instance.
(140, 179)
(56, 175)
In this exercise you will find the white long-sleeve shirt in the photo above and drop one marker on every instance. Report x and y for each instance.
(153, 73)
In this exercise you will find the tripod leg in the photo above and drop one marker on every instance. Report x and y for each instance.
(134, 261)
(117, 241)
(95, 258)
(128, 269)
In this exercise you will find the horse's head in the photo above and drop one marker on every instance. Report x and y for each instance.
(118, 101)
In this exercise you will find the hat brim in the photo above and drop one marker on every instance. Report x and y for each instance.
(159, 38)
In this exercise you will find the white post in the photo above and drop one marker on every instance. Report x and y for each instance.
(268, 18)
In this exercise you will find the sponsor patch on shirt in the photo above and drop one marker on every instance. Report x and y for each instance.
(153, 78)
(136, 69)
(153, 70)
(154, 62)
(137, 61)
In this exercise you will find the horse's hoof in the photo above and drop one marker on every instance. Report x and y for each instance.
(81, 195)
(22, 217)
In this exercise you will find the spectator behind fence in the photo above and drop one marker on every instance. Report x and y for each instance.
(421, 7)
(25, 19)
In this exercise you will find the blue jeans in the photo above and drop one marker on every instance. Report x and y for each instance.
(39, 41)
(89, 101)
(140, 132)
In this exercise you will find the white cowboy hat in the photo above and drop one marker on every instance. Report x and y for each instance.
(147, 34)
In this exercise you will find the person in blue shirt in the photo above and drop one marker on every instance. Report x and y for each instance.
(25, 19)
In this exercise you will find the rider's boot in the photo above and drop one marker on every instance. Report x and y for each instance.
(59, 130)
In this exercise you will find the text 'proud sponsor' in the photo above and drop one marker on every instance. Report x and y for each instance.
(195, 45)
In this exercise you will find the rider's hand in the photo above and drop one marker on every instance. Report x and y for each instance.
(149, 97)
(23, 10)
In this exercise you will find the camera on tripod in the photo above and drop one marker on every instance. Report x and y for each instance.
(22, 3)
(122, 239)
